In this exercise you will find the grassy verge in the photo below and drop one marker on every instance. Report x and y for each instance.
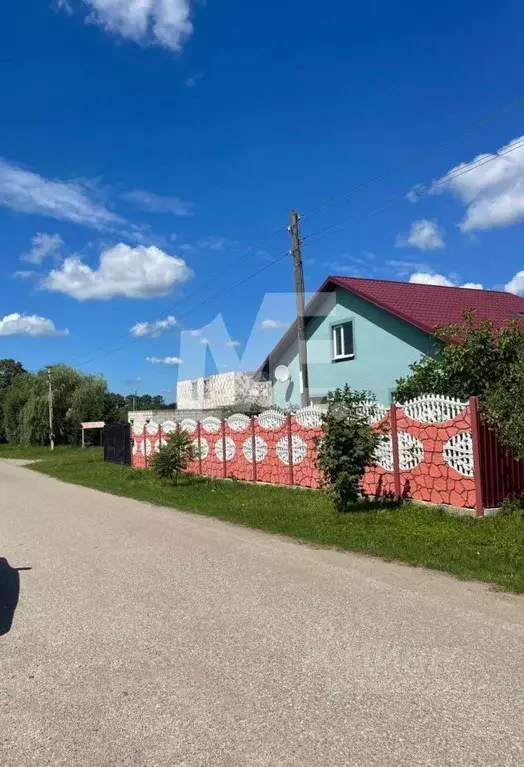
(490, 550)
(36, 452)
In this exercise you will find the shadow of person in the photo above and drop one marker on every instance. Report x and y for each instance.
(9, 593)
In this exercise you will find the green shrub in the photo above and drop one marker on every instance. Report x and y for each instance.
(174, 457)
(347, 446)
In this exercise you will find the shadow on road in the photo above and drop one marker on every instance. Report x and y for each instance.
(9, 593)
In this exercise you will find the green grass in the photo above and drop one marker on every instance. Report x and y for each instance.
(36, 452)
(490, 550)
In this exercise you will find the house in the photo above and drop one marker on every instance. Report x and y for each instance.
(225, 390)
(367, 333)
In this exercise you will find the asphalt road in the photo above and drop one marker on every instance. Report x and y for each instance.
(150, 638)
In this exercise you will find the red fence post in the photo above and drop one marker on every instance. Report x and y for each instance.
(396, 457)
(290, 450)
(224, 447)
(199, 438)
(254, 447)
(477, 464)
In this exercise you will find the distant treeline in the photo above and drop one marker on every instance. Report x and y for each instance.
(24, 403)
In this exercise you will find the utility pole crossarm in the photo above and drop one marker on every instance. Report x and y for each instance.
(299, 290)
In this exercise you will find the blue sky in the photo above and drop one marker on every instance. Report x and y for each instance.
(146, 151)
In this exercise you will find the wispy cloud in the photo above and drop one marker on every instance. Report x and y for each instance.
(153, 329)
(214, 243)
(26, 274)
(171, 361)
(156, 203)
(273, 324)
(42, 245)
(194, 80)
(29, 325)
(27, 192)
(232, 344)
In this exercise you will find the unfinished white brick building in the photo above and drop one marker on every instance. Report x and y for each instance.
(223, 391)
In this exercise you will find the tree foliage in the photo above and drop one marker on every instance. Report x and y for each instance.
(24, 403)
(347, 446)
(10, 370)
(174, 457)
(470, 358)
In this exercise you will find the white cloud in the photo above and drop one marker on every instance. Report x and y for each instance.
(43, 245)
(493, 192)
(25, 274)
(29, 325)
(28, 192)
(430, 278)
(273, 324)
(138, 272)
(195, 333)
(159, 22)
(213, 243)
(232, 344)
(424, 235)
(153, 329)
(516, 284)
(194, 80)
(205, 341)
(165, 361)
(155, 203)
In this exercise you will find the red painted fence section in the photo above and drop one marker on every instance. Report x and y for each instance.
(426, 453)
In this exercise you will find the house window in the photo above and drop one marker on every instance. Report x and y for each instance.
(343, 347)
(207, 388)
(194, 389)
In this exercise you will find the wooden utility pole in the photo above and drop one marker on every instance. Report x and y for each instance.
(299, 290)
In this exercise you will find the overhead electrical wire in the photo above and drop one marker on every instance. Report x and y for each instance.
(208, 301)
(412, 160)
(337, 226)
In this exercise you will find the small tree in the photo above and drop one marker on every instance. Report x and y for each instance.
(347, 446)
(173, 458)
(503, 408)
(470, 358)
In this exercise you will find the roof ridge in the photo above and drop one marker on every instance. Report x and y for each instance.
(419, 284)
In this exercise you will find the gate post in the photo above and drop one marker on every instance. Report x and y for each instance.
(254, 447)
(144, 445)
(396, 457)
(199, 438)
(224, 458)
(477, 463)
(290, 451)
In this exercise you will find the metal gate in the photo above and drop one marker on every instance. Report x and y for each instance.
(117, 443)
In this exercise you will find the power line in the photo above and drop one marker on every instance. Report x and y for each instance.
(339, 225)
(413, 159)
(253, 249)
(208, 301)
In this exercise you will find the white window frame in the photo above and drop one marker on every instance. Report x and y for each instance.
(343, 356)
(194, 390)
(207, 388)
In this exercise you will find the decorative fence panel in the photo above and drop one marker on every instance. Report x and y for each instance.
(427, 452)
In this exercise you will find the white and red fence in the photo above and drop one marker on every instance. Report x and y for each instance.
(429, 451)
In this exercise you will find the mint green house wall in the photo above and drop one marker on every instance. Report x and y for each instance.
(385, 346)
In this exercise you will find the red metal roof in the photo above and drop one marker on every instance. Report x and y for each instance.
(431, 306)
(428, 307)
